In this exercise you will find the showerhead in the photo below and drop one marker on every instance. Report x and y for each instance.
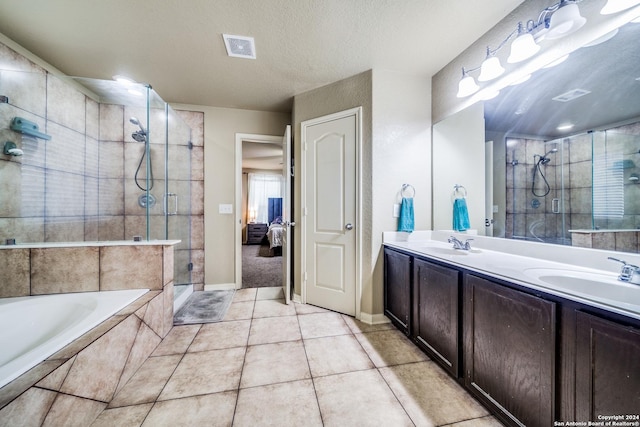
(544, 159)
(136, 122)
(139, 135)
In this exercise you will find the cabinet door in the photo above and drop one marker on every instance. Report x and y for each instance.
(436, 291)
(397, 288)
(607, 368)
(509, 348)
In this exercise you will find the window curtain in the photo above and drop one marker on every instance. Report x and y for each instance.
(261, 187)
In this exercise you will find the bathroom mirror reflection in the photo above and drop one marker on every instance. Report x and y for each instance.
(579, 185)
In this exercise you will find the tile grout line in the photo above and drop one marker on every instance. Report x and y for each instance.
(313, 382)
(244, 360)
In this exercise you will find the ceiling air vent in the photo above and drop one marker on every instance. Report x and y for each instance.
(240, 46)
(571, 95)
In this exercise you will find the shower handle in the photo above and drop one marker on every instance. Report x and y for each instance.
(165, 205)
(555, 205)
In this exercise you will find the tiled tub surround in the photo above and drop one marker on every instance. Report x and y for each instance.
(96, 364)
(79, 186)
(44, 324)
(515, 260)
(612, 240)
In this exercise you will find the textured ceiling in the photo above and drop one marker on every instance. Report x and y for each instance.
(177, 46)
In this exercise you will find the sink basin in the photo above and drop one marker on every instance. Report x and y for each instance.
(601, 286)
(445, 251)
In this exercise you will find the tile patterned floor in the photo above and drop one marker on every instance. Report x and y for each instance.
(269, 364)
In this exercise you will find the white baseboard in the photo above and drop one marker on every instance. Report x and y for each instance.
(373, 319)
(220, 287)
(297, 298)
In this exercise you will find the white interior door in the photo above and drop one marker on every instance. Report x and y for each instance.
(286, 214)
(330, 212)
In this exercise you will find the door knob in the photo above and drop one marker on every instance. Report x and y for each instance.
(348, 226)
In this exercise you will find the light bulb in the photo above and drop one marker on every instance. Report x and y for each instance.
(564, 21)
(523, 47)
(467, 86)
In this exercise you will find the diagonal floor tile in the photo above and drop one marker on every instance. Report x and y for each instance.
(429, 395)
(274, 363)
(358, 327)
(273, 308)
(318, 325)
(126, 416)
(309, 309)
(270, 293)
(286, 404)
(147, 383)
(208, 410)
(239, 311)
(205, 372)
(274, 329)
(335, 355)
(391, 347)
(358, 398)
(177, 340)
(246, 294)
(215, 336)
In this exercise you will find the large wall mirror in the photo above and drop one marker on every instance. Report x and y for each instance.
(566, 147)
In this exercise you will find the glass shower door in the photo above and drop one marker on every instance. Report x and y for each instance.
(170, 217)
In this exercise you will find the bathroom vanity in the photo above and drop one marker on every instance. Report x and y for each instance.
(515, 332)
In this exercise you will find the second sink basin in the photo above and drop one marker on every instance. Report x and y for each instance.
(601, 286)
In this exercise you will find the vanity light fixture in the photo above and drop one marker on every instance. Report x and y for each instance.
(490, 68)
(553, 22)
(523, 47)
(467, 85)
(615, 6)
(565, 20)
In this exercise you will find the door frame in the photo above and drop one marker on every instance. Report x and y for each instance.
(240, 137)
(357, 112)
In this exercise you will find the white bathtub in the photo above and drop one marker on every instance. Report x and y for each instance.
(33, 328)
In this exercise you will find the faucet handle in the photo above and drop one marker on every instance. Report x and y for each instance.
(629, 272)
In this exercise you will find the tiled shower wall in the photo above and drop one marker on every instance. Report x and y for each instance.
(571, 166)
(79, 185)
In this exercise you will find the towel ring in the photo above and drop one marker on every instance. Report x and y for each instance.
(459, 189)
(408, 187)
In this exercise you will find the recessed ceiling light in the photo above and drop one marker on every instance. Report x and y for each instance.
(566, 126)
(124, 80)
(240, 46)
(571, 95)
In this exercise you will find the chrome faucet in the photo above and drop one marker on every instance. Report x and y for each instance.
(629, 273)
(457, 244)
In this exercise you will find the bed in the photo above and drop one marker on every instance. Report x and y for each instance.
(274, 234)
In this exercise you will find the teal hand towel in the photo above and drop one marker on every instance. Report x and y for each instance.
(406, 220)
(460, 215)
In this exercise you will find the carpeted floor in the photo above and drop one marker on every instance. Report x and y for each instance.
(260, 268)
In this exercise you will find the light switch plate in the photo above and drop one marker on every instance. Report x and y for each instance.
(225, 209)
(396, 210)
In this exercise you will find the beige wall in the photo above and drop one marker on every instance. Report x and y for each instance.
(220, 128)
(395, 150)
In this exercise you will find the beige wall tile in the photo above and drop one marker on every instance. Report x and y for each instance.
(195, 411)
(130, 267)
(14, 274)
(627, 241)
(58, 270)
(604, 241)
(128, 416)
(168, 255)
(111, 122)
(167, 312)
(21, 384)
(153, 317)
(65, 104)
(145, 343)
(96, 371)
(54, 380)
(10, 189)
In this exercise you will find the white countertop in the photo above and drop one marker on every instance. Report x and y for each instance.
(585, 275)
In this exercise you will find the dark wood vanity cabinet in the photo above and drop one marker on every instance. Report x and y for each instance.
(607, 368)
(436, 328)
(532, 358)
(397, 288)
(509, 351)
